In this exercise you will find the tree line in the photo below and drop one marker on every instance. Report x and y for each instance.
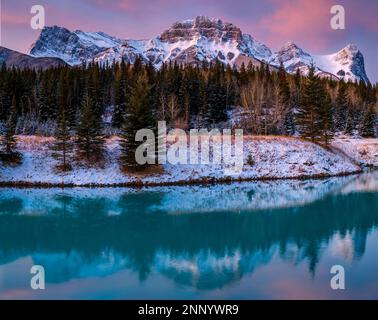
(78, 103)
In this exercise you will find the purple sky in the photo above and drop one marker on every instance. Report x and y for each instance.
(273, 22)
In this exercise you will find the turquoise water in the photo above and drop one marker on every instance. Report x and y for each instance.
(261, 240)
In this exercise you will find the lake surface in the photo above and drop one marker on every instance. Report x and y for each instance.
(260, 240)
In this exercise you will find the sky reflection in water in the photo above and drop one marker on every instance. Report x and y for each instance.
(256, 240)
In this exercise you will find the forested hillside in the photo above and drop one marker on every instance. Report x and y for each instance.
(82, 105)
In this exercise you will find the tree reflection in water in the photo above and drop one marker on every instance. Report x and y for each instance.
(203, 236)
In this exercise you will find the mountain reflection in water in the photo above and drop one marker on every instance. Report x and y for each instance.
(200, 238)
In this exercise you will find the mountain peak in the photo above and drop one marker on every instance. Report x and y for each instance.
(350, 62)
(348, 53)
(289, 45)
(200, 22)
(351, 48)
(293, 48)
(201, 27)
(194, 41)
(73, 47)
(292, 57)
(54, 28)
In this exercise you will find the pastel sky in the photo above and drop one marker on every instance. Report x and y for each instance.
(273, 22)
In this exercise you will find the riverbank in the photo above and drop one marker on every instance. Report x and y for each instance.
(265, 158)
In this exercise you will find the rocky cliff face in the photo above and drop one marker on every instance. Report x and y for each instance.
(189, 41)
(292, 57)
(73, 47)
(192, 42)
(347, 64)
(350, 63)
(214, 29)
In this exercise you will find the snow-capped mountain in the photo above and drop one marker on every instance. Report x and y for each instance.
(292, 57)
(347, 64)
(191, 42)
(73, 47)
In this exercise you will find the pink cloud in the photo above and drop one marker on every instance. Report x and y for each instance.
(128, 5)
(307, 22)
(125, 5)
(132, 5)
(8, 18)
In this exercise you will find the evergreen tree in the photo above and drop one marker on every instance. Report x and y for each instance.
(9, 141)
(243, 75)
(90, 140)
(2, 107)
(139, 116)
(296, 92)
(349, 121)
(203, 114)
(216, 108)
(367, 124)
(5, 97)
(230, 86)
(341, 109)
(285, 101)
(63, 146)
(202, 92)
(309, 111)
(121, 96)
(43, 100)
(326, 119)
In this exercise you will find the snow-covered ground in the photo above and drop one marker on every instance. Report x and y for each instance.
(233, 197)
(363, 151)
(272, 158)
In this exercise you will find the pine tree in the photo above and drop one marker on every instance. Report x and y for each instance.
(326, 118)
(121, 96)
(309, 111)
(203, 119)
(367, 124)
(285, 101)
(296, 89)
(9, 140)
(63, 146)
(2, 107)
(349, 121)
(44, 100)
(243, 75)
(341, 109)
(139, 116)
(230, 86)
(5, 93)
(216, 96)
(206, 91)
(90, 140)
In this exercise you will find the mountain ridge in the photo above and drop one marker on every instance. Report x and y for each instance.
(192, 42)
(20, 60)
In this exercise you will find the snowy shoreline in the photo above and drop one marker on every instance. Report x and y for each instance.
(274, 158)
(194, 182)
